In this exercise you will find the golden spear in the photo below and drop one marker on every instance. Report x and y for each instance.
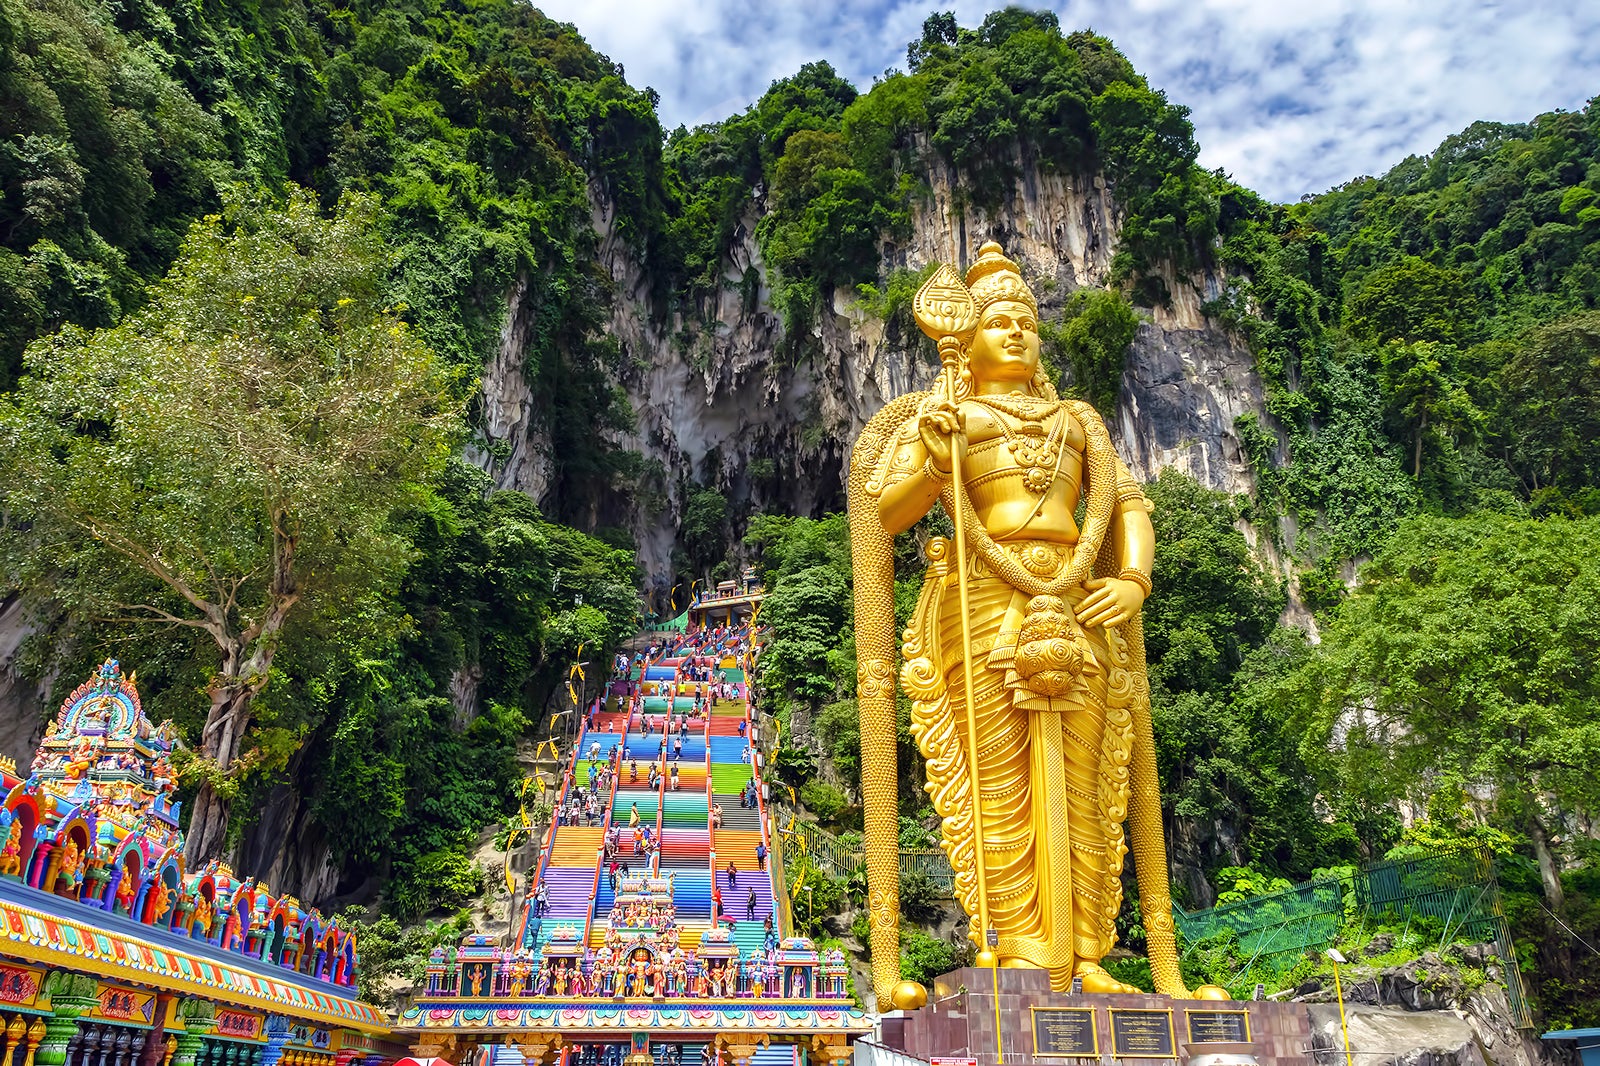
(945, 311)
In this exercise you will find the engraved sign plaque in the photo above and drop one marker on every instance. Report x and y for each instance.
(1218, 1026)
(1142, 1034)
(1064, 1031)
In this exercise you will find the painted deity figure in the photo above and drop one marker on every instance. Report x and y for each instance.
(127, 888)
(1024, 659)
(11, 854)
(640, 972)
(67, 871)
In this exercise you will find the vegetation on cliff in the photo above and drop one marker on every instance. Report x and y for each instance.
(1429, 341)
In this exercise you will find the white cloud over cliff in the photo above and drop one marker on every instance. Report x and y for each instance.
(1288, 97)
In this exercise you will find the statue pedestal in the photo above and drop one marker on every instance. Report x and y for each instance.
(1038, 1027)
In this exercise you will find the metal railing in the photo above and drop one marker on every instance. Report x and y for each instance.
(840, 861)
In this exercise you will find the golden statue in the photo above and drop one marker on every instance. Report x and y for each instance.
(1025, 647)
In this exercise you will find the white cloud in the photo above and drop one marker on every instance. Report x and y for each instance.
(1289, 97)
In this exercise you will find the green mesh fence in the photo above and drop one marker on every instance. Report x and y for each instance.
(1274, 930)
(1452, 894)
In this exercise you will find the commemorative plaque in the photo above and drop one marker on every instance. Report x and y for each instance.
(1064, 1031)
(1142, 1034)
(1218, 1026)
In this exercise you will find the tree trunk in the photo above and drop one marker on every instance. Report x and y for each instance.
(225, 724)
(246, 660)
(1556, 951)
(1416, 462)
(208, 822)
(1549, 872)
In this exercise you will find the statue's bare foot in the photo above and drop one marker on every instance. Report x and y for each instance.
(1097, 980)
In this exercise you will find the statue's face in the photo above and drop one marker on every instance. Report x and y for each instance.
(1006, 345)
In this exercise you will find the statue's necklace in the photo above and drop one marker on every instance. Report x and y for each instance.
(1036, 451)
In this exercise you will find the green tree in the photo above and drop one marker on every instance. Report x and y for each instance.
(1546, 407)
(1463, 661)
(704, 519)
(1422, 392)
(227, 459)
(1411, 300)
(1096, 329)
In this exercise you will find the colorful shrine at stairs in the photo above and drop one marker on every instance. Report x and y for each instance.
(652, 931)
(113, 954)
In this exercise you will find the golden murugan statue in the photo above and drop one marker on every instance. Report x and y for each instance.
(1025, 648)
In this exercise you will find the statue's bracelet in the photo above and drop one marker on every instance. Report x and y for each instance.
(933, 472)
(1137, 576)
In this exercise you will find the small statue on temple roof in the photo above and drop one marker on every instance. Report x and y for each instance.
(67, 871)
(162, 894)
(11, 854)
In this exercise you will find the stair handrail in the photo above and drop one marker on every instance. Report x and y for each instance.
(711, 837)
(611, 812)
(773, 879)
(594, 891)
(661, 800)
(548, 846)
(782, 916)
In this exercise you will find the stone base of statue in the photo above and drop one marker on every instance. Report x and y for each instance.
(967, 1008)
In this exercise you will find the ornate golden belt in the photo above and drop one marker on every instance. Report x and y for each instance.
(1042, 558)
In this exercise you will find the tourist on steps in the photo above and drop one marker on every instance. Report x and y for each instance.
(761, 856)
(733, 875)
(749, 905)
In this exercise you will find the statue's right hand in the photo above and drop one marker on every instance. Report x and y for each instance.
(943, 428)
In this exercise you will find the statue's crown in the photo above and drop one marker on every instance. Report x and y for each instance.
(994, 277)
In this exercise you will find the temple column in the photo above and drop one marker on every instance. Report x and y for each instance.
(15, 1031)
(155, 1041)
(742, 1049)
(829, 1050)
(538, 1048)
(434, 1046)
(36, 1034)
(199, 1017)
(72, 996)
(277, 1036)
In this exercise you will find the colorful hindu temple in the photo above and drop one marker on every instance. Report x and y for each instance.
(656, 928)
(113, 953)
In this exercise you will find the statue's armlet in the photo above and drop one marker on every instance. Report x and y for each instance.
(902, 456)
(1130, 494)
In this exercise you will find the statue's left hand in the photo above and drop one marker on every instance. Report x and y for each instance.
(1111, 602)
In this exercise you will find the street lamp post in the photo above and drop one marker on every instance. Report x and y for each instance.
(1338, 990)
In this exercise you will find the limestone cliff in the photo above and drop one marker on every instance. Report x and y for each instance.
(710, 399)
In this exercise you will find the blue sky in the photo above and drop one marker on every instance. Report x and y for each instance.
(1289, 97)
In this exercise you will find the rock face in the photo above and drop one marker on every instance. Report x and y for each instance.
(22, 703)
(714, 394)
(1425, 1012)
